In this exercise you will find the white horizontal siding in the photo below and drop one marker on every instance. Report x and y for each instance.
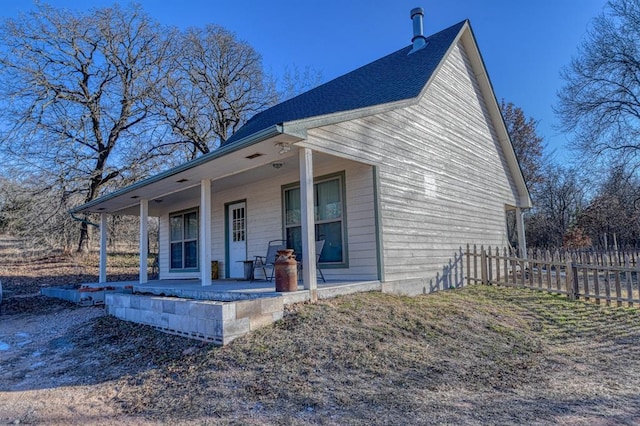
(264, 216)
(443, 178)
(264, 220)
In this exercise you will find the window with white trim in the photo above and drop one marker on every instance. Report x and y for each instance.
(183, 235)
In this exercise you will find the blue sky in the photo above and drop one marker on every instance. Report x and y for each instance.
(524, 43)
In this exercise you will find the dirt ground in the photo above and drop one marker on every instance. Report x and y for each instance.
(479, 355)
(43, 375)
(59, 363)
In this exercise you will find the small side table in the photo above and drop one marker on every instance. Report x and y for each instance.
(248, 269)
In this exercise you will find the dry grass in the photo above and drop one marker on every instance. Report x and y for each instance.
(25, 272)
(479, 355)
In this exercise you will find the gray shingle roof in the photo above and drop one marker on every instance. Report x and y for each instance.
(395, 77)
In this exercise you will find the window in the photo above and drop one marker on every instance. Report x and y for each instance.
(329, 213)
(238, 225)
(184, 240)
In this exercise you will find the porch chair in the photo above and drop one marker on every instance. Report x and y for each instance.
(319, 247)
(265, 262)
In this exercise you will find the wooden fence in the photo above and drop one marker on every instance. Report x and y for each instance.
(612, 256)
(591, 280)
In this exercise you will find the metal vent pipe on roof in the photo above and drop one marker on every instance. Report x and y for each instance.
(419, 41)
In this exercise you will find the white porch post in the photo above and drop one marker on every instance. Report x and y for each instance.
(309, 278)
(522, 240)
(144, 239)
(205, 231)
(102, 276)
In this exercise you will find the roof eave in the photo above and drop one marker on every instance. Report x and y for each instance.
(254, 138)
(469, 41)
(300, 127)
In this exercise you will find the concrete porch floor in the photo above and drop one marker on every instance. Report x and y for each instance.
(231, 290)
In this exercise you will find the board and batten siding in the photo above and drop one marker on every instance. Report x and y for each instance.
(443, 178)
(264, 219)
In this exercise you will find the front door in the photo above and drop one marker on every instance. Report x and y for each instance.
(237, 235)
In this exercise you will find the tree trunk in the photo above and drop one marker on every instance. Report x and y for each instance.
(83, 242)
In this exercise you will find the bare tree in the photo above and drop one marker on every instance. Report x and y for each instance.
(217, 83)
(558, 202)
(77, 91)
(600, 100)
(37, 214)
(527, 144)
(529, 148)
(614, 209)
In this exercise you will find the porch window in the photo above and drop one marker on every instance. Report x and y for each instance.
(329, 213)
(184, 240)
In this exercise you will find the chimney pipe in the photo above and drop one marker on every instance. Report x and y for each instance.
(419, 41)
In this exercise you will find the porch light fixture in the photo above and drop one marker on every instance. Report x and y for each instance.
(284, 147)
(277, 164)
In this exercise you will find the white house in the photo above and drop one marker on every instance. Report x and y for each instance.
(396, 165)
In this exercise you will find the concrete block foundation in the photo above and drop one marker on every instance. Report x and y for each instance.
(215, 314)
(208, 320)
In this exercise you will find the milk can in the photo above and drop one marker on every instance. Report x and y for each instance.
(286, 271)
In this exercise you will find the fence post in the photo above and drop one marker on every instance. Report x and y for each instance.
(607, 279)
(483, 265)
(576, 282)
(585, 281)
(570, 279)
(506, 265)
(468, 265)
(618, 288)
(596, 284)
(475, 264)
(638, 276)
(489, 266)
(627, 275)
(497, 265)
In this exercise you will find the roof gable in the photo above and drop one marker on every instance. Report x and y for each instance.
(395, 77)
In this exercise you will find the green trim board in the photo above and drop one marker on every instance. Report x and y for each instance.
(344, 223)
(227, 267)
(378, 228)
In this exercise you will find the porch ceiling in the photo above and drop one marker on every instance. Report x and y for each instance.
(226, 172)
(181, 185)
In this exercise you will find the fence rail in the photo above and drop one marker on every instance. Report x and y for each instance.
(601, 281)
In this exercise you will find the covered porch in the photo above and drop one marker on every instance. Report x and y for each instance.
(255, 176)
